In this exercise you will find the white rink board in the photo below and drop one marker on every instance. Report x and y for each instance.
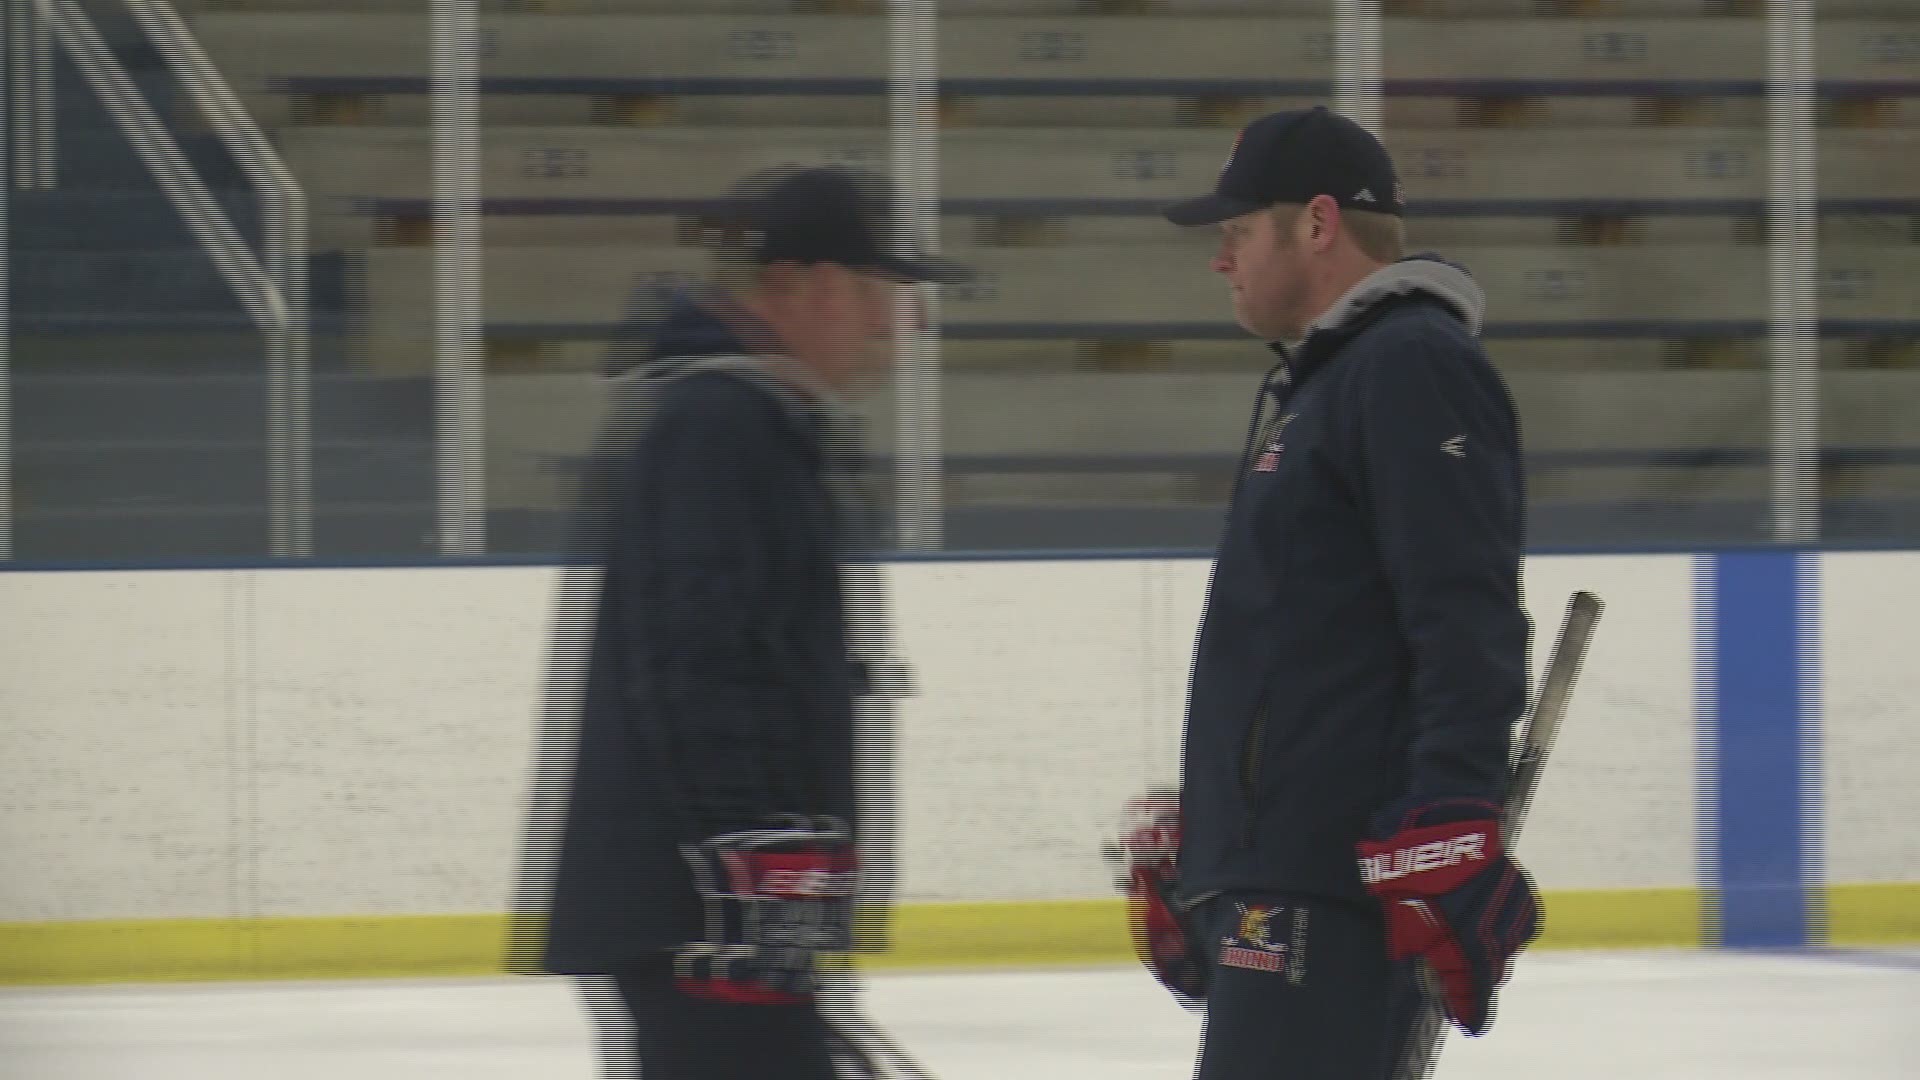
(357, 742)
(1616, 807)
(1870, 756)
(1049, 693)
(395, 721)
(118, 694)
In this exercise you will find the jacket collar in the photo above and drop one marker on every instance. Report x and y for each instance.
(1419, 277)
(707, 330)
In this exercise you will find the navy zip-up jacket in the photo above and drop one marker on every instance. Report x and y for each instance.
(718, 687)
(1363, 637)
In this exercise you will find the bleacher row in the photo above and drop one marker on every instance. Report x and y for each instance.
(1165, 292)
(1019, 56)
(1620, 439)
(599, 210)
(1838, 9)
(1013, 69)
(1110, 171)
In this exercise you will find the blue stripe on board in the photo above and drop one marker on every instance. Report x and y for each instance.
(1760, 780)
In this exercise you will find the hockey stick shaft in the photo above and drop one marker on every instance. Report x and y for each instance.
(1539, 730)
(876, 1055)
(879, 1055)
(1550, 708)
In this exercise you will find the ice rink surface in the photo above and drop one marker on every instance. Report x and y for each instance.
(1570, 1016)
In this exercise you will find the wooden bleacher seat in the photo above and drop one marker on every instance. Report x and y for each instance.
(774, 55)
(1042, 172)
(1594, 437)
(1056, 8)
(1166, 292)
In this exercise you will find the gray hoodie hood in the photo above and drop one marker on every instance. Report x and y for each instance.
(1428, 274)
(695, 338)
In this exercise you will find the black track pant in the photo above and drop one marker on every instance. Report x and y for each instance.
(1300, 989)
(643, 1019)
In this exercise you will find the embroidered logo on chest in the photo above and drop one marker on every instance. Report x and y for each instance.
(1270, 451)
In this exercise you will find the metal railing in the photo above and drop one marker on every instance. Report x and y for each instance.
(1794, 263)
(914, 104)
(29, 58)
(271, 287)
(459, 266)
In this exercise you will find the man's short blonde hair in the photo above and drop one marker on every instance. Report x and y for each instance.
(1380, 237)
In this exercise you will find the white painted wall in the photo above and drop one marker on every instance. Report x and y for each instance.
(1870, 681)
(340, 742)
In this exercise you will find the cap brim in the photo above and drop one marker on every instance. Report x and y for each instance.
(939, 271)
(1208, 210)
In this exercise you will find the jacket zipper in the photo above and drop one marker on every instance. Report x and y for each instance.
(1278, 385)
(1282, 373)
(1250, 753)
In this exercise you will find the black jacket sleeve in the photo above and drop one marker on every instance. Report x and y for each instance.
(1443, 479)
(708, 499)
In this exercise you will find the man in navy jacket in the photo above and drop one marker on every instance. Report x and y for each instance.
(711, 787)
(1363, 652)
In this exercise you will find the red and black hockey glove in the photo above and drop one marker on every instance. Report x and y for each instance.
(1162, 934)
(774, 898)
(1454, 898)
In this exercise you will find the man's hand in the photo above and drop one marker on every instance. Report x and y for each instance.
(774, 897)
(1452, 897)
(1162, 937)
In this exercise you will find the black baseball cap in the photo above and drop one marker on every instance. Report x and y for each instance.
(824, 214)
(1291, 157)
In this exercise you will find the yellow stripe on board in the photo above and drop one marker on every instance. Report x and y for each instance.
(922, 936)
(1007, 934)
(1622, 919)
(1873, 914)
(195, 950)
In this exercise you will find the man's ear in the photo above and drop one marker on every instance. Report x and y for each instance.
(1323, 221)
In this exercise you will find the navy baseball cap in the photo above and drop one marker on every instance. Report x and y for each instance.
(1291, 157)
(829, 215)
